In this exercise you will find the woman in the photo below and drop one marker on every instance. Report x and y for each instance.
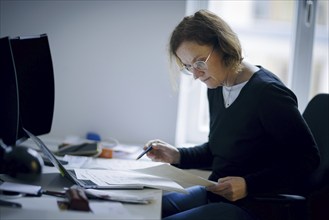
(258, 141)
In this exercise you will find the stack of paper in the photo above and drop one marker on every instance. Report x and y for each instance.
(119, 196)
(128, 178)
(105, 172)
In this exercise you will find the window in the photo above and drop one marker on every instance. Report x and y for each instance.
(265, 29)
(319, 75)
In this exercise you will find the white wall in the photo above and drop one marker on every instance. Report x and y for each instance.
(110, 64)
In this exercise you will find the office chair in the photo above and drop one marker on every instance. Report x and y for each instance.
(316, 115)
(314, 205)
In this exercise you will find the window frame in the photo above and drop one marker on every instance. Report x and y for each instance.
(299, 72)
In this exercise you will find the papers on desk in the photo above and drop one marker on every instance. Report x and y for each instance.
(119, 196)
(135, 173)
(176, 174)
(128, 178)
(108, 164)
(77, 161)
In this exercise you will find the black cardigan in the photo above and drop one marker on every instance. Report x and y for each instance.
(261, 137)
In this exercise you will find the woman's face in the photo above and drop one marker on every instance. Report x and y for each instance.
(215, 75)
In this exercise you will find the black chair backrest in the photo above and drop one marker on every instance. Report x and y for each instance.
(316, 115)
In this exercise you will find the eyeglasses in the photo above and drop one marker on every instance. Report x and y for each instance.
(197, 65)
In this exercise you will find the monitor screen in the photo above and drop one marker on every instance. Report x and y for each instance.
(35, 80)
(27, 91)
(9, 113)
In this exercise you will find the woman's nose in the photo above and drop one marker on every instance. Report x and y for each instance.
(197, 73)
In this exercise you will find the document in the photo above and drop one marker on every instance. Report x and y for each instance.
(119, 196)
(176, 174)
(128, 177)
(140, 174)
(108, 164)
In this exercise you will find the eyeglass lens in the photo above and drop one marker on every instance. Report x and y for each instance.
(198, 65)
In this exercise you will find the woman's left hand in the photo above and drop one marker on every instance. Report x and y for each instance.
(231, 188)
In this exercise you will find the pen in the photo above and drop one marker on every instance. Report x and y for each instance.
(149, 148)
(54, 193)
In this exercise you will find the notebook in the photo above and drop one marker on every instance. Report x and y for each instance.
(70, 174)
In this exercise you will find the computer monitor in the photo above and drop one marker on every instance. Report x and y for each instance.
(26, 87)
(26, 93)
(9, 110)
(35, 79)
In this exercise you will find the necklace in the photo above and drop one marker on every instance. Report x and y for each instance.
(227, 99)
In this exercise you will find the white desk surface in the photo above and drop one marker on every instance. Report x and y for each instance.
(45, 207)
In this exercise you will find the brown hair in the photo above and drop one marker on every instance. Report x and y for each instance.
(206, 28)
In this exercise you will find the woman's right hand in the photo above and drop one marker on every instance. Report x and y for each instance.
(163, 152)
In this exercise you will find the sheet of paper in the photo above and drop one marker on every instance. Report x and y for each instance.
(109, 164)
(176, 174)
(77, 161)
(116, 195)
(119, 164)
(132, 178)
(126, 148)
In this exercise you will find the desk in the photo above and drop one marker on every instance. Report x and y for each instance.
(45, 207)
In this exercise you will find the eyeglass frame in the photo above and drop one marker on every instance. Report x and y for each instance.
(187, 70)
